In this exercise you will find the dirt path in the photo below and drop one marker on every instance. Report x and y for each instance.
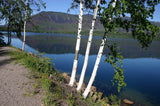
(15, 86)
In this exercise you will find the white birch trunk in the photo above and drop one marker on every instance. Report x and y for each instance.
(85, 94)
(88, 47)
(87, 90)
(74, 69)
(24, 36)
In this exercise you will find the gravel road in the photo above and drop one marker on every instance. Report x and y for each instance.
(15, 87)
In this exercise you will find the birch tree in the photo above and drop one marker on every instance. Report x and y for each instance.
(85, 94)
(12, 11)
(88, 48)
(24, 28)
(142, 29)
(74, 69)
(112, 17)
(28, 11)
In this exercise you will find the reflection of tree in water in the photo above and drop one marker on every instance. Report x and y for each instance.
(60, 44)
(2, 43)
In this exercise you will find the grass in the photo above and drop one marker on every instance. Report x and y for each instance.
(36, 88)
(41, 69)
(55, 90)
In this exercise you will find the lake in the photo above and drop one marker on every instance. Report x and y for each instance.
(142, 68)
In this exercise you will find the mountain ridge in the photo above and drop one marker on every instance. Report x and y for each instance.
(57, 21)
(64, 22)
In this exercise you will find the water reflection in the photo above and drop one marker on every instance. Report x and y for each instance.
(141, 74)
(64, 44)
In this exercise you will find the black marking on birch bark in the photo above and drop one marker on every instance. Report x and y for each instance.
(89, 41)
(76, 55)
(102, 44)
(94, 19)
(78, 37)
(101, 53)
(82, 1)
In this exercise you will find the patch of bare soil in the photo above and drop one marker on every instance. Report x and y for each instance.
(15, 88)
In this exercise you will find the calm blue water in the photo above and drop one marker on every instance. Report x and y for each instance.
(142, 75)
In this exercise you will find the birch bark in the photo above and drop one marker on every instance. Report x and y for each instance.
(74, 69)
(85, 94)
(88, 47)
(24, 36)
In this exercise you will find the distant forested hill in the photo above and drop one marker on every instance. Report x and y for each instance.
(60, 22)
(56, 22)
(64, 23)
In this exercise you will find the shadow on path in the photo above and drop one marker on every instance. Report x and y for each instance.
(6, 61)
(4, 57)
(3, 52)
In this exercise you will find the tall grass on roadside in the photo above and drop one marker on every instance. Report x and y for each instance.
(36, 63)
(55, 91)
(41, 67)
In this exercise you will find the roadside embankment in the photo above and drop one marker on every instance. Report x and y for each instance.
(27, 79)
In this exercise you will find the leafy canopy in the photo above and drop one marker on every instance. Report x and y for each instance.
(115, 17)
(13, 12)
(139, 12)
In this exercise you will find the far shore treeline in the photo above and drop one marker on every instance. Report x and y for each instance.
(56, 22)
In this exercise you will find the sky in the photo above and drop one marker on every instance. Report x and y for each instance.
(63, 5)
(59, 6)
